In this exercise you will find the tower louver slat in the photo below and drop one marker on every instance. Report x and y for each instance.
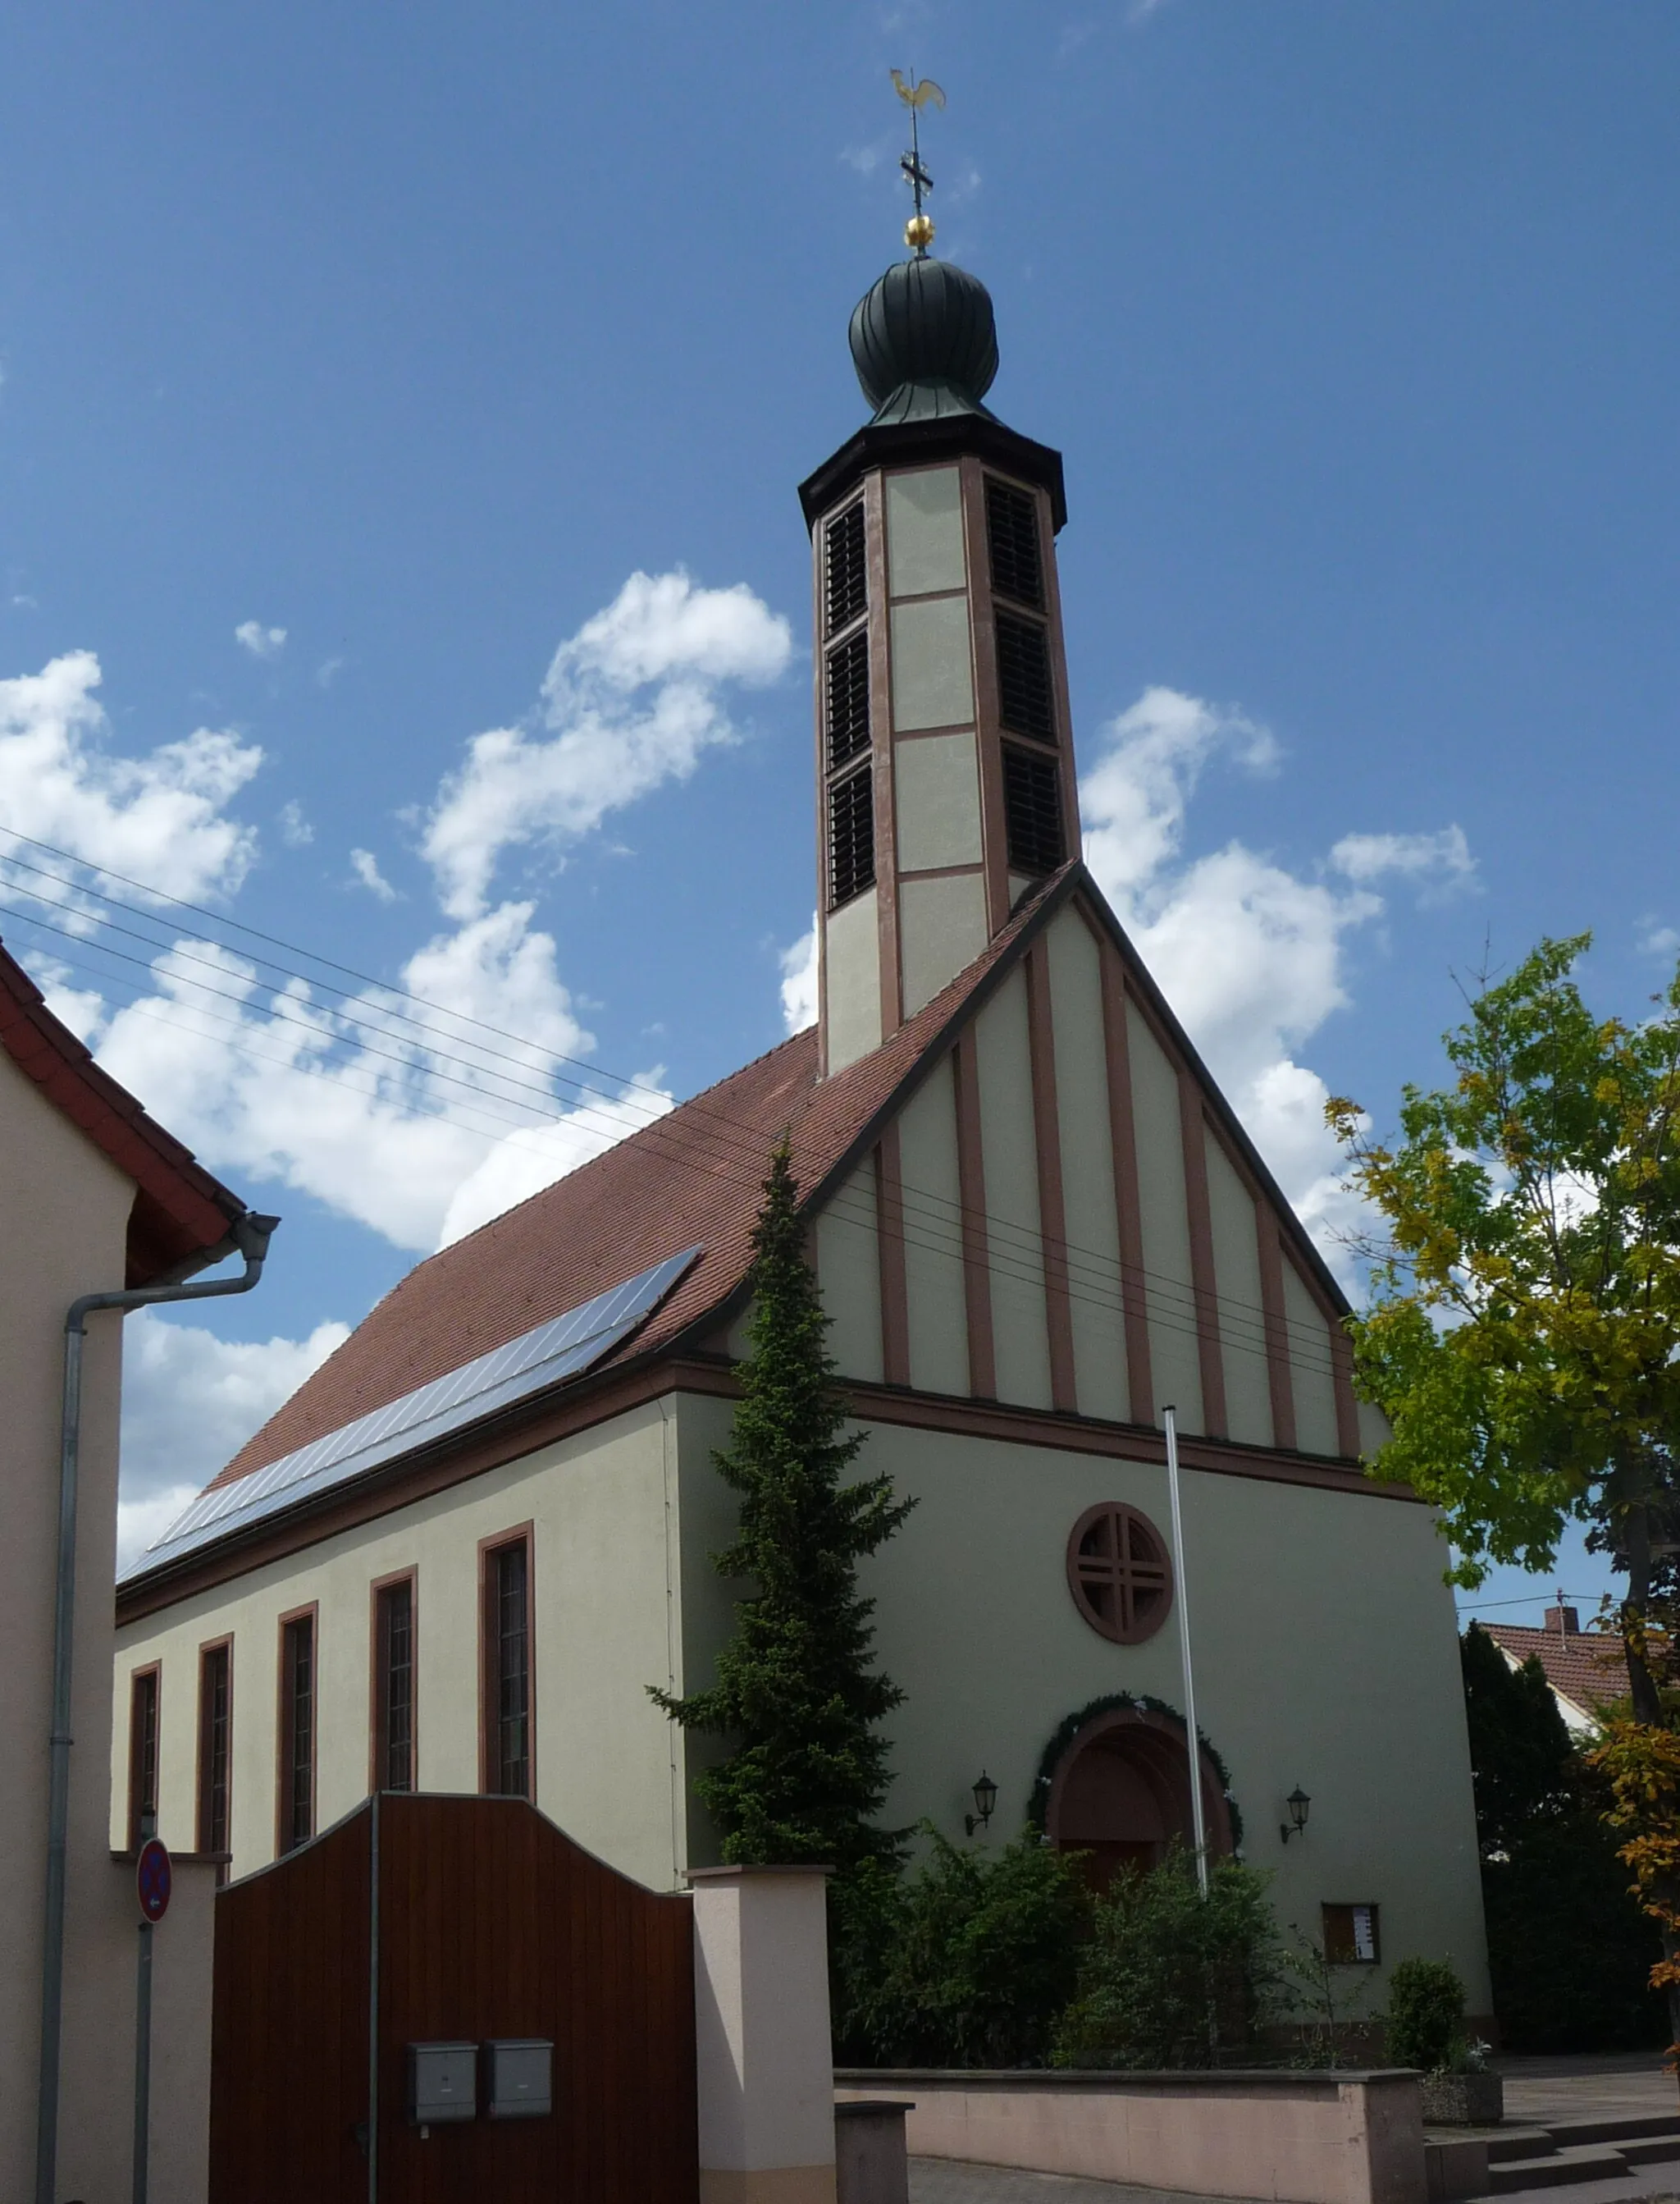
(1023, 680)
(847, 675)
(847, 577)
(1032, 810)
(1012, 530)
(851, 836)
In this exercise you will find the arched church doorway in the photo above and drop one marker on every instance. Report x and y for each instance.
(1122, 1794)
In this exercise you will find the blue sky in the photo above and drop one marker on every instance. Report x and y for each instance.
(415, 334)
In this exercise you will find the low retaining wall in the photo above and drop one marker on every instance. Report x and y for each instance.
(1302, 2137)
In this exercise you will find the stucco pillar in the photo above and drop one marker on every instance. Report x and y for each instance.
(765, 2058)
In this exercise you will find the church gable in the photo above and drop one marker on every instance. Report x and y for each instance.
(1061, 1214)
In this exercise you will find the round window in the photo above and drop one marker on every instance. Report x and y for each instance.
(1119, 1572)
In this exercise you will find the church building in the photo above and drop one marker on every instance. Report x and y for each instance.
(460, 1554)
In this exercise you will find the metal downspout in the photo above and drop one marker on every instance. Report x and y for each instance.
(248, 1236)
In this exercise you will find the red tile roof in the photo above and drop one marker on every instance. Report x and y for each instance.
(693, 1178)
(1586, 1666)
(180, 1210)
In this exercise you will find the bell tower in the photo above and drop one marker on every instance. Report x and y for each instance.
(945, 758)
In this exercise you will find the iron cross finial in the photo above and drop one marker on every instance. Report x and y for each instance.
(918, 230)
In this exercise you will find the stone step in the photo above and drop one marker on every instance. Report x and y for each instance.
(1614, 2128)
(1558, 2169)
(1649, 2150)
(1513, 2141)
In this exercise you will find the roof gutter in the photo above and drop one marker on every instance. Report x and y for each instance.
(248, 1236)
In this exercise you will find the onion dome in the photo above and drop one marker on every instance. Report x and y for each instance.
(924, 341)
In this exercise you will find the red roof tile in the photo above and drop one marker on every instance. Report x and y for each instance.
(180, 1210)
(1586, 1667)
(693, 1178)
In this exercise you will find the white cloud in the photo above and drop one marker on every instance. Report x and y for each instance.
(526, 1162)
(353, 1104)
(190, 1401)
(160, 818)
(366, 866)
(295, 830)
(630, 702)
(1437, 864)
(261, 642)
(418, 1118)
(866, 159)
(1656, 939)
(1250, 955)
(799, 981)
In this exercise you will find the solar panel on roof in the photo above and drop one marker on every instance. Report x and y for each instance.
(563, 1348)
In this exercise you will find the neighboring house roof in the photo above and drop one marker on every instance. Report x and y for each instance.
(1586, 1668)
(181, 1213)
(693, 1178)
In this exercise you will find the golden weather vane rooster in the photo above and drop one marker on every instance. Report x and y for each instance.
(918, 230)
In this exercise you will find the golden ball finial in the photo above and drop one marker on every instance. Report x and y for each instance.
(918, 232)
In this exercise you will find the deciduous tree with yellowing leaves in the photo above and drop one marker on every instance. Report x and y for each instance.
(1523, 1334)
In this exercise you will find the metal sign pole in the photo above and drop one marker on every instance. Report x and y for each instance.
(143, 2064)
(1198, 1818)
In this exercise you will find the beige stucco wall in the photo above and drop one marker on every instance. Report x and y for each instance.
(932, 1199)
(605, 1623)
(1242, 1321)
(1165, 1220)
(1019, 1330)
(1083, 1119)
(65, 1207)
(1325, 1645)
(852, 979)
(941, 922)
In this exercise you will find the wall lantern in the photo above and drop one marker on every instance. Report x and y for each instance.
(1298, 1802)
(985, 1802)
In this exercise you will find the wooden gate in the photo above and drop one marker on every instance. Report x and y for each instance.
(426, 1919)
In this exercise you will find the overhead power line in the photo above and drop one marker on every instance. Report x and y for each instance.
(592, 1109)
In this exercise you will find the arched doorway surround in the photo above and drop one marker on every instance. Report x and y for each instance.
(1120, 1792)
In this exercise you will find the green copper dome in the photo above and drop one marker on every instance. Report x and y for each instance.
(925, 341)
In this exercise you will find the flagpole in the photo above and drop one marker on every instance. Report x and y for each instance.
(1198, 1818)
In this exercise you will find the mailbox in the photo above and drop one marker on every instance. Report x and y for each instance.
(517, 2078)
(442, 2083)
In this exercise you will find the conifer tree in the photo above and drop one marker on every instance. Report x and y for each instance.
(795, 1691)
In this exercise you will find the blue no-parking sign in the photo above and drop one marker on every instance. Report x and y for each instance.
(154, 1878)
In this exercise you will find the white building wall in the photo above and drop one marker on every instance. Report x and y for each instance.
(1325, 1647)
(1242, 1320)
(1312, 1373)
(936, 1306)
(605, 1625)
(849, 1271)
(1088, 1171)
(1165, 1219)
(1021, 1336)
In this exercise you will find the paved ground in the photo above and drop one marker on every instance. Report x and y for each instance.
(1540, 2089)
(942, 2181)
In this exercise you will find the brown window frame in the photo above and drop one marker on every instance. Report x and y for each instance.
(490, 1765)
(285, 1838)
(1339, 1936)
(205, 1835)
(1126, 1625)
(147, 1683)
(379, 1680)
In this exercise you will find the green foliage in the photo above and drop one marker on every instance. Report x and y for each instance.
(1321, 1998)
(1169, 1977)
(966, 1962)
(795, 1691)
(1526, 1314)
(1426, 2014)
(1568, 1948)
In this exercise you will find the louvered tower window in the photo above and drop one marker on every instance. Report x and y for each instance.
(1033, 812)
(851, 836)
(1012, 528)
(1024, 678)
(848, 700)
(846, 573)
